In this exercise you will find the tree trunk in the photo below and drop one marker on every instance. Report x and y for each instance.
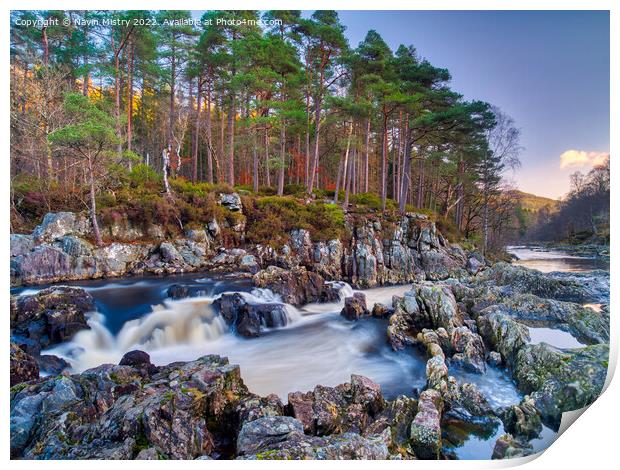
(231, 140)
(315, 159)
(130, 96)
(384, 147)
(267, 177)
(255, 166)
(209, 142)
(366, 155)
(402, 204)
(282, 159)
(197, 131)
(93, 203)
(345, 167)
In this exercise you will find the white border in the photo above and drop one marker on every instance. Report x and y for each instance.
(591, 444)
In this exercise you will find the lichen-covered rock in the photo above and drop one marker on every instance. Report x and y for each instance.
(21, 244)
(469, 350)
(231, 201)
(264, 433)
(503, 333)
(425, 306)
(255, 407)
(56, 225)
(560, 381)
(51, 315)
(381, 311)
(523, 420)
(436, 372)
(346, 446)
(355, 307)
(507, 447)
(184, 410)
(425, 430)
(297, 286)
(23, 366)
(522, 280)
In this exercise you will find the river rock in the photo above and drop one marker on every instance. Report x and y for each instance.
(346, 446)
(495, 359)
(507, 447)
(425, 429)
(263, 433)
(23, 366)
(255, 407)
(355, 307)
(135, 358)
(560, 381)
(523, 420)
(178, 291)
(348, 407)
(423, 307)
(51, 315)
(469, 350)
(522, 280)
(502, 333)
(297, 286)
(436, 372)
(381, 311)
(52, 365)
(250, 319)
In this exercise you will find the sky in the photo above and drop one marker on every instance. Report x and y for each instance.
(549, 70)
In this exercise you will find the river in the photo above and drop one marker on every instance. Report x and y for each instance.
(318, 346)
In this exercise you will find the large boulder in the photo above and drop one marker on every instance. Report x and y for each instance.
(56, 225)
(560, 381)
(23, 366)
(297, 286)
(348, 407)
(425, 306)
(250, 319)
(52, 315)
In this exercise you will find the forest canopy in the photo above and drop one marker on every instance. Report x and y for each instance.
(274, 103)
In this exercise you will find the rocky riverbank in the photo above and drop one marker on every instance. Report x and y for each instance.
(372, 253)
(202, 409)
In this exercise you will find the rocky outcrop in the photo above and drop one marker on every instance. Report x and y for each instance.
(407, 249)
(183, 410)
(425, 306)
(50, 316)
(296, 286)
(250, 319)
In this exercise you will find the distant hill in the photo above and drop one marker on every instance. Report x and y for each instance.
(527, 210)
(533, 203)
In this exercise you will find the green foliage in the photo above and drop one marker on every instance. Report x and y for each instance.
(92, 128)
(269, 219)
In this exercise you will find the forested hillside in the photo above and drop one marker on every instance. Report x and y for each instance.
(114, 110)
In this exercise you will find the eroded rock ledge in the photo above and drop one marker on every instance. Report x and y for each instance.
(371, 253)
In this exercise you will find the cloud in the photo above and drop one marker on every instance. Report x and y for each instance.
(581, 158)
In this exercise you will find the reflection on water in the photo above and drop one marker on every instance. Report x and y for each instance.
(548, 261)
(554, 337)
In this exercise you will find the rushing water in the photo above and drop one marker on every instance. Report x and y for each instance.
(318, 346)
